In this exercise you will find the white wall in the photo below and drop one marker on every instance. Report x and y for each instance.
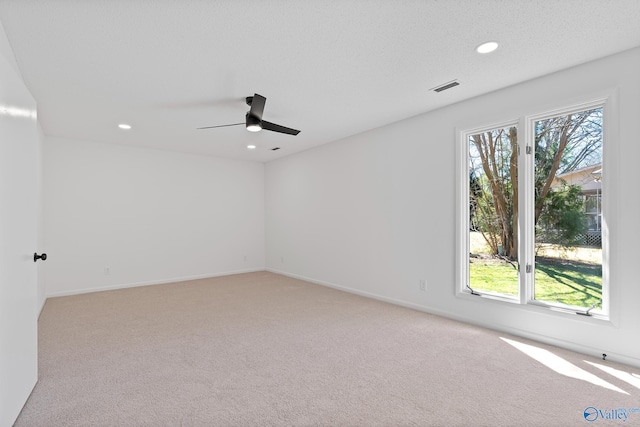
(7, 51)
(376, 212)
(148, 216)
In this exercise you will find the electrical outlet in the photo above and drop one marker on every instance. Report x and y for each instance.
(423, 284)
(107, 271)
(245, 258)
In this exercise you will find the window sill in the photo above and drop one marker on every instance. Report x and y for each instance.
(537, 307)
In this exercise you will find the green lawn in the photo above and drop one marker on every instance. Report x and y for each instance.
(557, 280)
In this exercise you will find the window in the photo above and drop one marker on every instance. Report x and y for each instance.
(531, 217)
(493, 211)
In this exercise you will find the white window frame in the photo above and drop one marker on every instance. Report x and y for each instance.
(462, 276)
(526, 128)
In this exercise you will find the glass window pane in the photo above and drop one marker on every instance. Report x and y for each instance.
(493, 211)
(568, 209)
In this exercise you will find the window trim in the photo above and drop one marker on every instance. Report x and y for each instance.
(526, 124)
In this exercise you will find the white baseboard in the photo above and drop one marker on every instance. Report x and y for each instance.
(352, 290)
(578, 348)
(148, 283)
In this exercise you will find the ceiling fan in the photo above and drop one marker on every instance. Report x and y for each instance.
(254, 121)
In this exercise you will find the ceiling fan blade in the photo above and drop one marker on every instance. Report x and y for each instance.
(221, 126)
(257, 106)
(277, 128)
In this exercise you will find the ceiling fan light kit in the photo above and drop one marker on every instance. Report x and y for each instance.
(253, 123)
(253, 119)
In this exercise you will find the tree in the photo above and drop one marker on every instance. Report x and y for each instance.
(564, 222)
(494, 166)
(562, 144)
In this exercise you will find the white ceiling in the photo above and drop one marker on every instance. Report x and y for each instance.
(331, 68)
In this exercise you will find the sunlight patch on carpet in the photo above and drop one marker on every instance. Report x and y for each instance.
(627, 377)
(560, 365)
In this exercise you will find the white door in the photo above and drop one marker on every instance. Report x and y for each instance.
(18, 203)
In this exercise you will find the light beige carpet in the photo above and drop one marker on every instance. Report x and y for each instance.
(262, 349)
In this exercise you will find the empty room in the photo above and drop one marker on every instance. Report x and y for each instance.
(328, 213)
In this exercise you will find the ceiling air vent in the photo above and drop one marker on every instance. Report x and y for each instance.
(445, 86)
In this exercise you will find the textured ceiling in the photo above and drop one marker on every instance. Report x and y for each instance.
(329, 68)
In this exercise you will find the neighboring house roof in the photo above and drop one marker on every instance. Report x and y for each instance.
(588, 178)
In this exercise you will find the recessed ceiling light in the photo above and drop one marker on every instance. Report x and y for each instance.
(487, 47)
(124, 126)
(251, 147)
